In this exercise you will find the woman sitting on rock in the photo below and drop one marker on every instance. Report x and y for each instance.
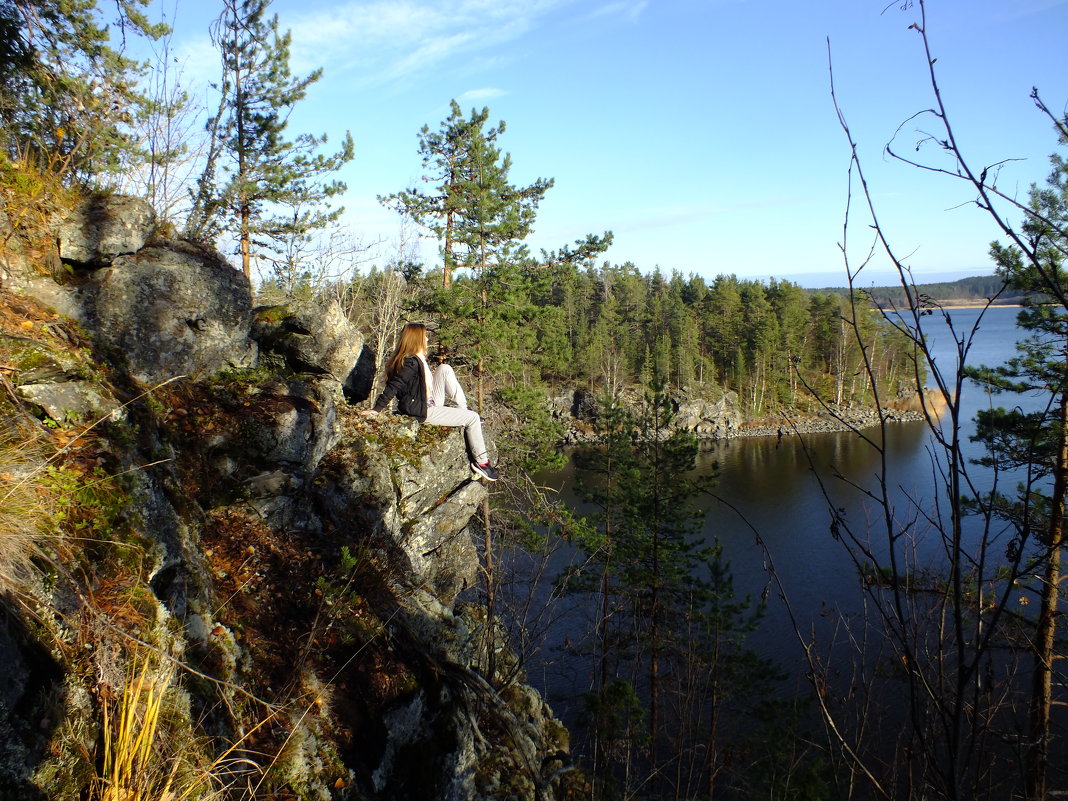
(422, 394)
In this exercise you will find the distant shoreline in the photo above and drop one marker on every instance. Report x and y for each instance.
(973, 305)
(949, 304)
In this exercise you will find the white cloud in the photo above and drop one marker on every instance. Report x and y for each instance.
(198, 65)
(380, 41)
(629, 10)
(478, 95)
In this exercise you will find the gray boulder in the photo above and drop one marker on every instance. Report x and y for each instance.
(171, 310)
(69, 401)
(317, 338)
(416, 496)
(709, 418)
(102, 227)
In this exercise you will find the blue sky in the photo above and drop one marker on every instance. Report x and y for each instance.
(701, 132)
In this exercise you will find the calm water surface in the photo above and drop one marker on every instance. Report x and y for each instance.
(777, 489)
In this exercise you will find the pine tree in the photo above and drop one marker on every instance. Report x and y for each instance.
(480, 220)
(461, 159)
(669, 625)
(724, 329)
(67, 97)
(609, 472)
(790, 304)
(491, 304)
(266, 191)
(1035, 444)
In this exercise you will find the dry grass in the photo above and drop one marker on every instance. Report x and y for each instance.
(149, 751)
(27, 449)
(132, 768)
(56, 494)
(26, 507)
(32, 191)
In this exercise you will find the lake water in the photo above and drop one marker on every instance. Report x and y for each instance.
(776, 489)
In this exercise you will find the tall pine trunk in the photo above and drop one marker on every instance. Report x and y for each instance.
(1046, 625)
(242, 173)
(446, 261)
(655, 600)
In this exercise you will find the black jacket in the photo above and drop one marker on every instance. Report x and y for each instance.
(409, 388)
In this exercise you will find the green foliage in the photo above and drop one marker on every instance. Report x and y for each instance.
(88, 504)
(342, 603)
(268, 192)
(500, 313)
(777, 757)
(976, 289)
(472, 209)
(1033, 443)
(522, 324)
(668, 619)
(534, 439)
(31, 196)
(609, 328)
(618, 716)
(402, 440)
(68, 99)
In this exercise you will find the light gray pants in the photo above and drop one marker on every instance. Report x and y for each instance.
(447, 389)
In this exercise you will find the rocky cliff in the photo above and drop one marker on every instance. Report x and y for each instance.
(217, 579)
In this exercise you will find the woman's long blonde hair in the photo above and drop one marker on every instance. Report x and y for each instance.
(412, 341)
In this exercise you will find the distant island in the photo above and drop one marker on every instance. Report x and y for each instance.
(973, 291)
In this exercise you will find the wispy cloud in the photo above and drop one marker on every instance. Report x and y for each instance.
(630, 10)
(478, 95)
(198, 64)
(381, 41)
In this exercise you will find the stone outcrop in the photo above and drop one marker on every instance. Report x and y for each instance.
(417, 503)
(170, 310)
(294, 559)
(314, 336)
(71, 401)
(104, 226)
(717, 419)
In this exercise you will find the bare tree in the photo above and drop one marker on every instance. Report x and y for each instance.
(383, 298)
(321, 266)
(169, 132)
(942, 575)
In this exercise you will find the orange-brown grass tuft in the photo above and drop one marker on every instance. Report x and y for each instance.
(27, 508)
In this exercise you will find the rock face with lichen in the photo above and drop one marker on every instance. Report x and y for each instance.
(195, 506)
(170, 309)
(102, 227)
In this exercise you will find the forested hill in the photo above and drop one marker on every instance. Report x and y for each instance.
(966, 291)
(608, 329)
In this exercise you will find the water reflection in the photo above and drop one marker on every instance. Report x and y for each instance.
(783, 491)
(774, 490)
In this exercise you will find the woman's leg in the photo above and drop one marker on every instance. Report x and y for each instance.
(466, 418)
(447, 388)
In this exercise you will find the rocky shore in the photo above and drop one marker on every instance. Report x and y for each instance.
(722, 418)
(826, 423)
